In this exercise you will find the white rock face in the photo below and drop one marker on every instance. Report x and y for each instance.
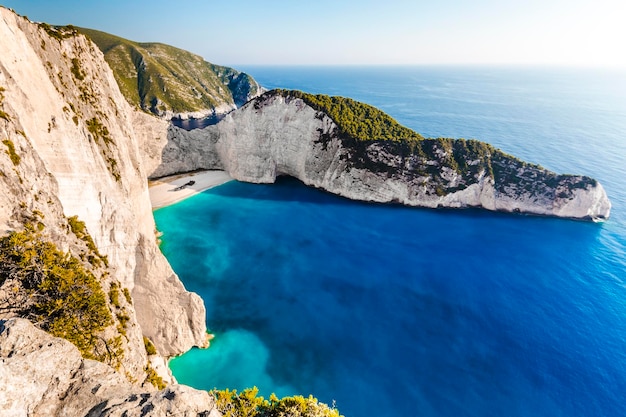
(78, 142)
(218, 110)
(274, 135)
(41, 375)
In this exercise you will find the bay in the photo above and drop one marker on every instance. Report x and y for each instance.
(389, 310)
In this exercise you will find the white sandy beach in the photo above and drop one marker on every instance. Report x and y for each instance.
(163, 191)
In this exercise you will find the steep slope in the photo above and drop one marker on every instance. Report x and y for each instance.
(168, 81)
(354, 150)
(73, 192)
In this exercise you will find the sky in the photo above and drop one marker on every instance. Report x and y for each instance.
(590, 33)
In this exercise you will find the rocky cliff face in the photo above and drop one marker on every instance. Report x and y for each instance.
(278, 134)
(41, 375)
(70, 148)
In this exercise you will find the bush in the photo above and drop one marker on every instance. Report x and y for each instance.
(248, 404)
(63, 297)
(99, 131)
(150, 348)
(355, 119)
(59, 32)
(15, 158)
(126, 293)
(79, 229)
(3, 115)
(123, 320)
(76, 69)
(154, 378)
(114, 295)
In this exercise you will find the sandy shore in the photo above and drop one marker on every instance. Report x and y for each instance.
(163, 191)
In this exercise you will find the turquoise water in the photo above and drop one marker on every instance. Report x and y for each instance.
(397, 311)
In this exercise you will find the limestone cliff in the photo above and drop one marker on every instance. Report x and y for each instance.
(41, 375)
(288, 133)
(70, 154)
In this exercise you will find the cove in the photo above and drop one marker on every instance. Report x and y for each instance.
(397, 310)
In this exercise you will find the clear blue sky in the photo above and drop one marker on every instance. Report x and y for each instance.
(391, 32)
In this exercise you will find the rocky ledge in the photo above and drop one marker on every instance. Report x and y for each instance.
(42, 375)
(367, 156)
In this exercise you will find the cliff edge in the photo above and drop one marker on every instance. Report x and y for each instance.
(356, 151)
(76, 227)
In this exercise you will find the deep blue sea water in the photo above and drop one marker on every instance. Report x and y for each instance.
(393, 311)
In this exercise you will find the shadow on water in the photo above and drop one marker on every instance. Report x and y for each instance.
(290, 189)
(285, 188)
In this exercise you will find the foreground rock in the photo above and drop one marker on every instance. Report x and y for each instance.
(281, 133)
(41, 375)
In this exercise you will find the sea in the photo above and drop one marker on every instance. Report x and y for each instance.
(383, 310)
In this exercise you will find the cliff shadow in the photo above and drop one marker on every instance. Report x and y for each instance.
(285, 188)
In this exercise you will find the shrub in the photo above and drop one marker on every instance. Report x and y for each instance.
(59, 32)
(249, 404)
(99, 131)
(355, 119)
(63, 297)
(76, 69)
(15, 158)
(114, 294)
(154, 378)
(126, 293)
(123, 319)
(79, 229)
(150, 348)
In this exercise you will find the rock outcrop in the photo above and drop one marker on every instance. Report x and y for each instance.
(70, 147)
(41, 375)
(279, 133)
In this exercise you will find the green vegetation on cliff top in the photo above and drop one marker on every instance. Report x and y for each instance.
(159, 78)
(360, 125)
(355, 119)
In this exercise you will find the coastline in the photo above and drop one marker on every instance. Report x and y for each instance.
(164, 192)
